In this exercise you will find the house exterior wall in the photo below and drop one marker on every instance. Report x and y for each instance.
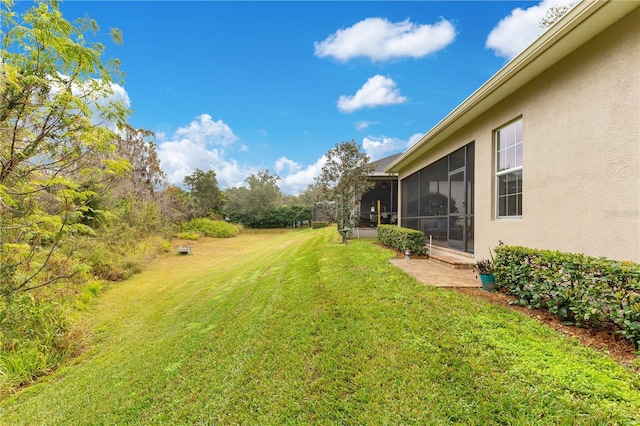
(581, 153)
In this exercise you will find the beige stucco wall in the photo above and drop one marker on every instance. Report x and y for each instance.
(581, 153)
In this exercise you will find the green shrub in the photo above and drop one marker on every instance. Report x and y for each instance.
(319, 224)
(117, 260)
(133, 266)
(33, 339)
(191, 236)
(577, 288)
(166, 246)
(403, 239)
(87, 294)
(211, 228)
(104, 260)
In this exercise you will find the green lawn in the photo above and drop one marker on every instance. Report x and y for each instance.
(294, 328)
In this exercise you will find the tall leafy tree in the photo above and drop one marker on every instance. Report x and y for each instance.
(251, 205)
(204, 192)
(55, 120)
(175, 204)
(554, 13)
(135, 202)
(342, 181)
(307, 197)
(146, 178)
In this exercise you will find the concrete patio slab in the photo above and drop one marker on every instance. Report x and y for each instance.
(435, 274)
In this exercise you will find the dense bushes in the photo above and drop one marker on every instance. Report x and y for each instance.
(286, 217)
(280, 217)
(117, 254)
(574, 287)
(211, 228)
(33, 340)
(36, 330)
(190, 236)
(403, 238)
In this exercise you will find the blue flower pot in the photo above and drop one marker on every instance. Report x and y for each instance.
(488, 282)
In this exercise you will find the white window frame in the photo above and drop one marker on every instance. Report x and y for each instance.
(515, 168)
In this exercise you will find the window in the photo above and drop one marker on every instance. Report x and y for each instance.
(509, 170)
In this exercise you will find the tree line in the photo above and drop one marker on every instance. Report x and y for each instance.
(82, 192)
(83, 197)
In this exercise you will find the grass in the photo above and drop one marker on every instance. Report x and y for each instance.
(292, 327)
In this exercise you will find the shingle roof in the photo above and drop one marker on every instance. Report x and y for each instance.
(381, 164)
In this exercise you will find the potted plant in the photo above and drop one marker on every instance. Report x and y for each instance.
(484, 268)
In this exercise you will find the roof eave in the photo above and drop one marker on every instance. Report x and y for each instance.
(554, 44)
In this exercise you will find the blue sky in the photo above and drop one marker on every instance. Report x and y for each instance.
(239, 87)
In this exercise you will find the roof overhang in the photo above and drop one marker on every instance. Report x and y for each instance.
(562, 38)
(382, 175)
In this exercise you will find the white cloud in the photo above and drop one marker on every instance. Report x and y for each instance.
(378, 90)
(119, 95)
(377, 148)
(194, 147)
(94, 98)
(200, 145)
(205, 131)
(361, 125)
(414, 138)
(284, 164)
(379, 40)
(518, 30)
(299, 178)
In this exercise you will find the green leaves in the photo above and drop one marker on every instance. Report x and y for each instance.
(57, 118)
(212, 228)
(403, 239)
(577, 288)
(254, 205)
(204, 190)
(342, 181)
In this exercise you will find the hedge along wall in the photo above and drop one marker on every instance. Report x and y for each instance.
(577, 288)
(403, 238)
